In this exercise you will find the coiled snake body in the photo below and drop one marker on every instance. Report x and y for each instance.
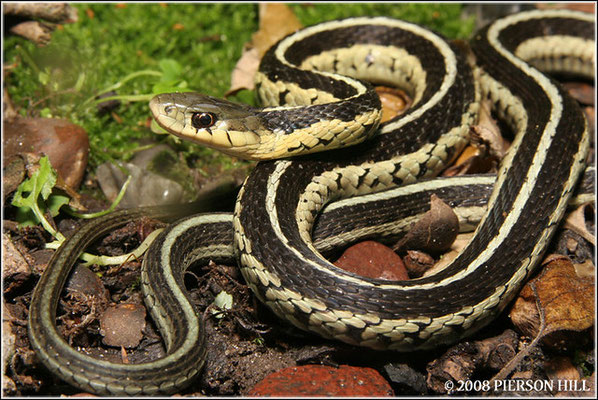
(311, 109)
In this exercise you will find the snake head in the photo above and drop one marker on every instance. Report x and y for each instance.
(222, 125)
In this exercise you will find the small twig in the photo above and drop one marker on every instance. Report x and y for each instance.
(515, 361)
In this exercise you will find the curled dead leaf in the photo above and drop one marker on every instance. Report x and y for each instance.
(486, 149)
(394, 102)
(277, 20)
(561, 297)
(434, 232)
(458, 244)
(576, 221)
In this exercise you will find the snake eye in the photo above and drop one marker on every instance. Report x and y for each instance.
(203, 120)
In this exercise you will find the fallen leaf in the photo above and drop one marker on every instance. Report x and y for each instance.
(560, 297)
(276, 21)
(561, 368)
(243, 75)
(486, 149)
(580, 91)
(576, 221)
(434, 232)
(16, 265)
(394, 102)
(585, 7)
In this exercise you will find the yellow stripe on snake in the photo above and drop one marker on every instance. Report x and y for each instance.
(313, 105)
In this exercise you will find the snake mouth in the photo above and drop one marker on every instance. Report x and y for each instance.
(232, 129)
(166, 113)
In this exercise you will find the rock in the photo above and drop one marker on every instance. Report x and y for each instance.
(321, 380)
(8, 337)
(14, 173)
(122, 325)
(406, 380)
(147, 187)
(417, 263)
(65, 144)
(15, 265)
(86, 282)
(372, 260)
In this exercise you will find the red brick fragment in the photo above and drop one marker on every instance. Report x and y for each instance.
(321, 380)
(373, 260)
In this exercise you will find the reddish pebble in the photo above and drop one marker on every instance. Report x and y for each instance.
(65, 144)
(321, 380)
(373, 260)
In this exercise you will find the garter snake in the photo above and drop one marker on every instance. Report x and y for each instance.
(281, 199)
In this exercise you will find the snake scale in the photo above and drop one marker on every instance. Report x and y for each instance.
(312, 105)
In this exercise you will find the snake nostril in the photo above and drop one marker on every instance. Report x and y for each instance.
(169, 109)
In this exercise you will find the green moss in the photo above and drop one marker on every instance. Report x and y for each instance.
(111, 41)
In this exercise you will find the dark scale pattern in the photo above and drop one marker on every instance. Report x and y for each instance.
(277, 71)
(432, 63)
(335, 222)
(431, 60)
(536, 211)
(408, 139)
(303, 117)
(418, 302)
(515, 34)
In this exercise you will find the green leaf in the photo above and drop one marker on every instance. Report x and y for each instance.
(55, 202)
(41, 183)
(30, 196)
(171, 69)
(26, 217)
(170, 87)
(45, 113)
(43, 77)
(223, 301)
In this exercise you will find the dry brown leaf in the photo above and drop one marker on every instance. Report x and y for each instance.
(38, 32)
(560, 295)
(561, 368)
(588, 7)
(487, 133)
(434, 232)
(576, 221)
(276, 21)
(580, 91)
(556, 308)
(487, 147)
(394, 102)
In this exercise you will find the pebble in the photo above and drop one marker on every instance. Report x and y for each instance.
(146, 188)
(122, 325)
(87, 283)
(321, 380)
(373, 260)
(65, 144)
(15, 265)
(406, 380)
